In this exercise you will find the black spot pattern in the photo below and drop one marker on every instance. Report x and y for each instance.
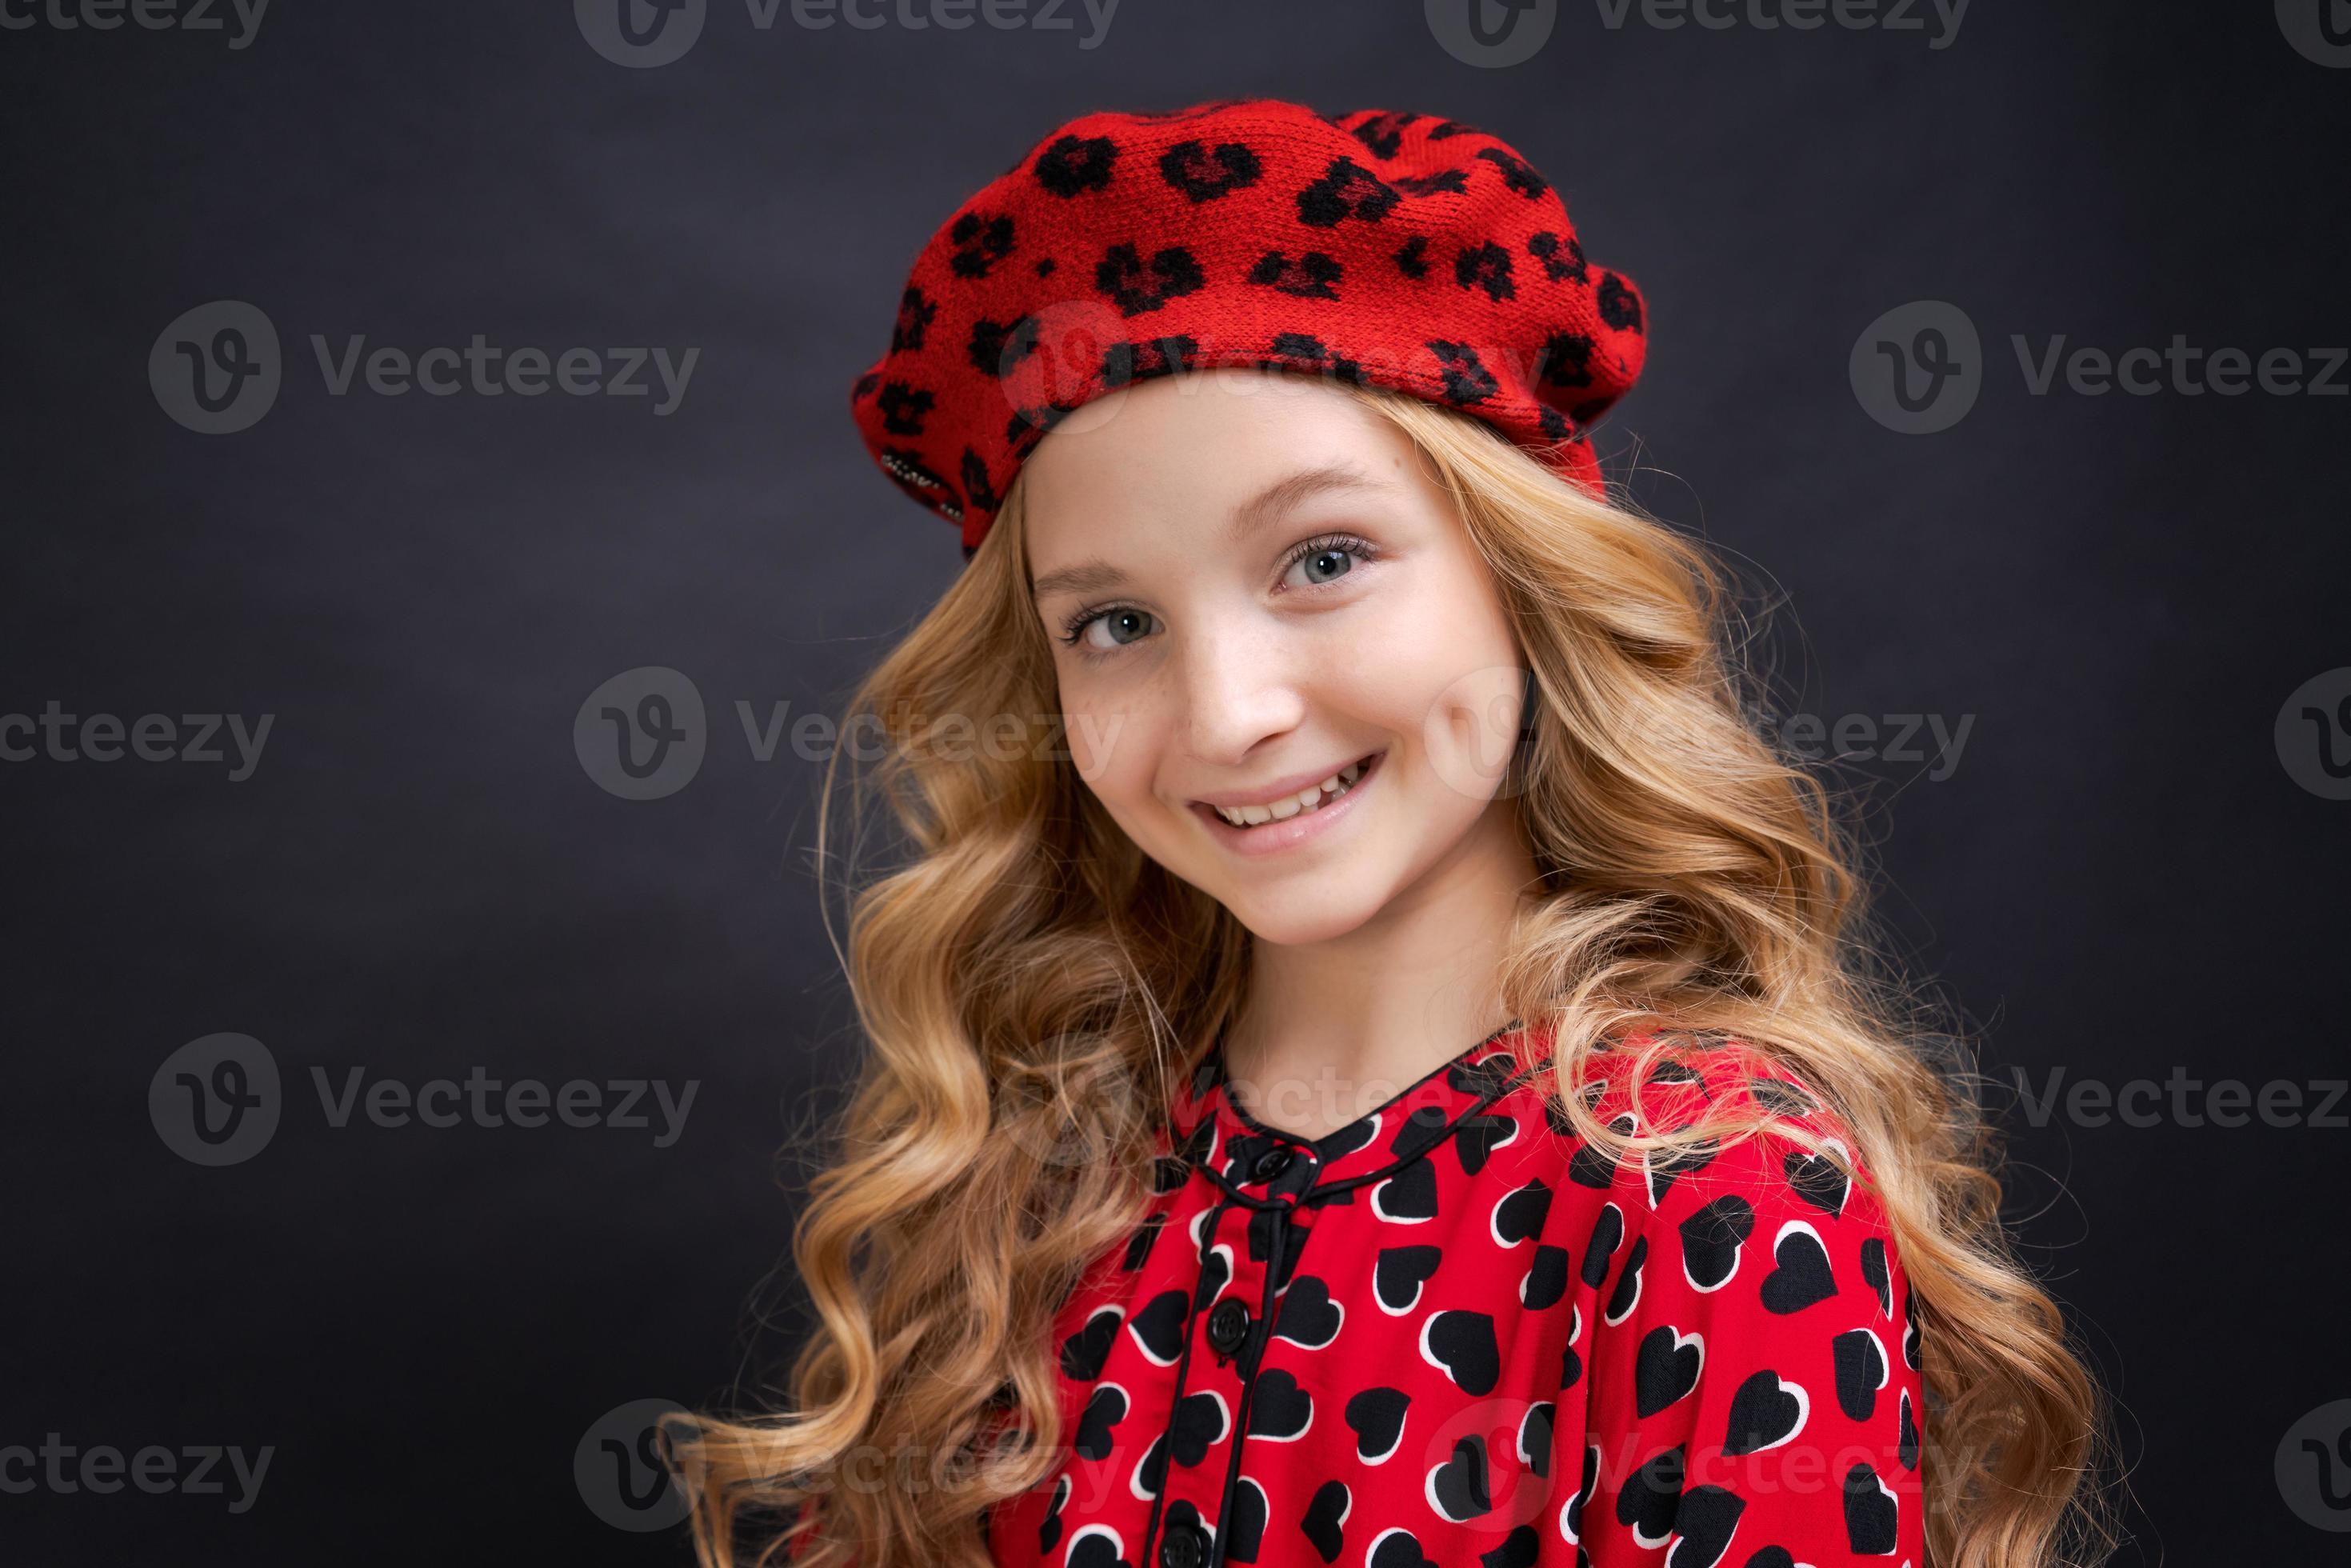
(1073, 166)
(1347, 190)
(1136, 285)
(1419, 253)
(1203, 173)
(981, 240)
(1313, 275)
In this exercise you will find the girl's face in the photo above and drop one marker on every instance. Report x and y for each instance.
(1253, 589)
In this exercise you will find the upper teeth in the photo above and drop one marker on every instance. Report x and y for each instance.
(1290, 805)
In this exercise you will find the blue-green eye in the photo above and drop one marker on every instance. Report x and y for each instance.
(1326, 559)
(1334, 561)
(1329, 558)
(1124, 623)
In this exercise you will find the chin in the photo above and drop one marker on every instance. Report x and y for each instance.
(1319, 910)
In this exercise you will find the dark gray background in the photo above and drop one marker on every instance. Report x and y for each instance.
(2121, 877)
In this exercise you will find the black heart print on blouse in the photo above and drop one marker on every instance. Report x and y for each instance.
(1307, 1315)
(1803, 1277)
(1766, 1411)
(1278, 1410)
(1707, 1519)
(1861, 1372)
(1400, 1272)
(1666, 1368)
(1712, 1242)
(1325, 1521)
(1377, 1417)
(1459, 1487)
(1460, 1343)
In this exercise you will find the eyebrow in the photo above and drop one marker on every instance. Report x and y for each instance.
(1258, 511)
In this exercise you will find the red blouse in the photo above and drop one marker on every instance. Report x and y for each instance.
(1488, 1344)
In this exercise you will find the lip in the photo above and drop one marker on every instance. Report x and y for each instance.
(1272, 838)
(1283, 789)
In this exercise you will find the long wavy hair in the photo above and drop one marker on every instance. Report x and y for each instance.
(1034, 990)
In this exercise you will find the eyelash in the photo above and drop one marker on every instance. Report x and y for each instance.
(1074, 629)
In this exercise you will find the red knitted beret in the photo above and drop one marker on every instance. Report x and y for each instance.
(1396, 250)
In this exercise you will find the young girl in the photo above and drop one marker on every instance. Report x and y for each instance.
(1372, 1058)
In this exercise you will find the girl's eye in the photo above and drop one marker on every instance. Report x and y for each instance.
(1124, 625)
(1325, 560)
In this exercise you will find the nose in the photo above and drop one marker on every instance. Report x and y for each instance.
(1240, 685)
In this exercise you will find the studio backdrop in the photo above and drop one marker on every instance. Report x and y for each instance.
(437, 547)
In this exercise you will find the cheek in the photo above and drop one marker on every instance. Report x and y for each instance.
(1454, 691)
(1107, 748)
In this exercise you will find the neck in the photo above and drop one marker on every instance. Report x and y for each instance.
(1330, 1029)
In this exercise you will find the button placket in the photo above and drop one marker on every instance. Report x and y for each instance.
(1280, 1182)
(1185, 1545)
(1187, 1517)
(1265, 1189)
(1286, 1173)
(1228, 1327)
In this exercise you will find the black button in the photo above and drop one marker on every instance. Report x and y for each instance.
(1271, 1163)
(1187, 1546)
(1229, 1325)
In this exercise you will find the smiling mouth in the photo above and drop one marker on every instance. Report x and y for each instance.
(1304, 802)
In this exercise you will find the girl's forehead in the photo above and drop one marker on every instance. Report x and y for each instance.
(1210, 487)
(1203, 432)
